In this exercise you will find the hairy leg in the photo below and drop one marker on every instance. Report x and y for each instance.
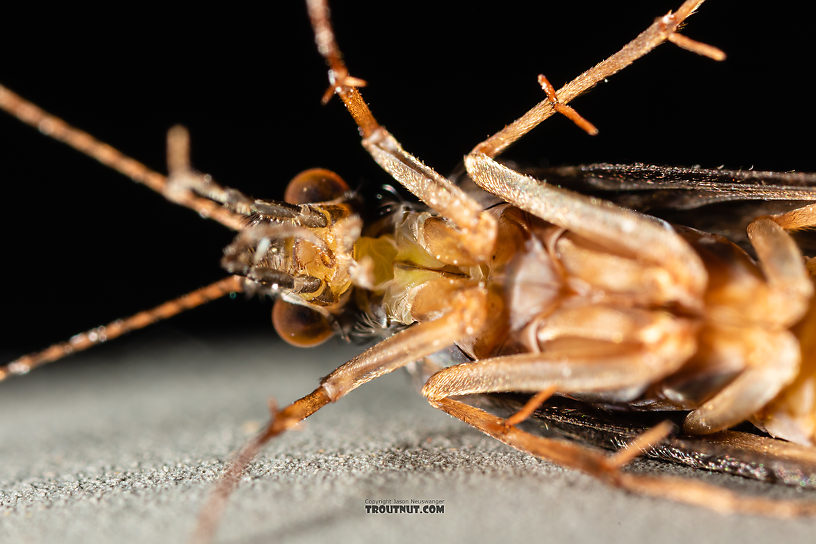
(475, 229)
(606, 468)
(466, 314)
(663, 29)
(773, 357)
(630, 232)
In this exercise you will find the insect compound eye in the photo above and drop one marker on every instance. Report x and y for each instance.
(300, 326)
(315, 185)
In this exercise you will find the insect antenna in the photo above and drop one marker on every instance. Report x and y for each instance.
(114, 329)
(184, 186)
(83, 142)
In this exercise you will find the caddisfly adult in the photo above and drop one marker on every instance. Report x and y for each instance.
(549, 292)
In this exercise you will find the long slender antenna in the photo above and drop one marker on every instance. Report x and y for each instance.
(83, 142)
(114, 329)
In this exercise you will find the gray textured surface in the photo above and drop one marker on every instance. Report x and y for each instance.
(123, 444)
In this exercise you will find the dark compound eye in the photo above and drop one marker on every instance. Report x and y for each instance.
(300, 326)
(315, 185)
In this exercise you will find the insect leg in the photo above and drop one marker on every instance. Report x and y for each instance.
(663, 29)
(476, 229)
(773, 358)
(628, 231)
(597, 369)
(531, 406)
(605, 468)
(791, 414)
(800, 218)
(114, 329)
(465, 317)
(640, 444)
(781, 260)
(779, 255)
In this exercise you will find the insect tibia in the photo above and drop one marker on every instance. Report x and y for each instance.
(663, 29)
(280, 422)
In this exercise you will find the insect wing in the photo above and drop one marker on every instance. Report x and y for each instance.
(741, 452)
(650, 187)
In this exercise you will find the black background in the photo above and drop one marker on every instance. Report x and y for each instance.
(82, 245)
